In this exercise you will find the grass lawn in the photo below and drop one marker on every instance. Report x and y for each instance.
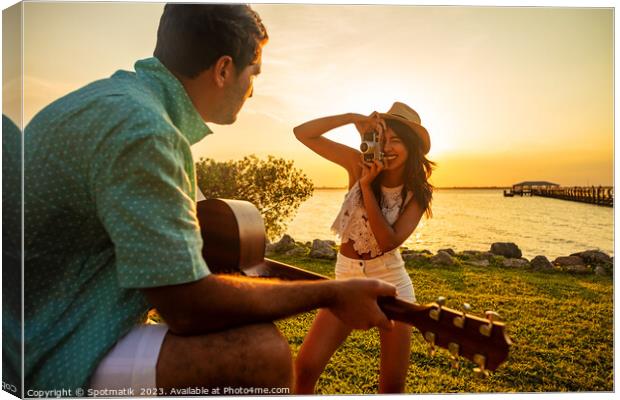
(561, 326)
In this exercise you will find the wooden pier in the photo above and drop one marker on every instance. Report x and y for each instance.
(527, 188)
(599, 195)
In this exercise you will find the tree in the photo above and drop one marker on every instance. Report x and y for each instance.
(273, 185)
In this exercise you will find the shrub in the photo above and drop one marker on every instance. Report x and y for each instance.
(273, 185)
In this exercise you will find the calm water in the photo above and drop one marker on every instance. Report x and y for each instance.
(473, 219)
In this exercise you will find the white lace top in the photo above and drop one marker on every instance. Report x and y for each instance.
(352, 220)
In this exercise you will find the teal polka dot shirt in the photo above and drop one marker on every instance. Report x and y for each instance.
(11, 255)
(109, 208)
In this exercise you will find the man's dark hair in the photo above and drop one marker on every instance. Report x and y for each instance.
(192, 37)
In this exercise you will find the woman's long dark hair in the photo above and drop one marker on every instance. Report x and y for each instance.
(417, 169)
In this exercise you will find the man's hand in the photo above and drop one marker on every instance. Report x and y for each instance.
(356, 303)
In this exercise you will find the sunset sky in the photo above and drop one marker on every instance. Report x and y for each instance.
(508, 94)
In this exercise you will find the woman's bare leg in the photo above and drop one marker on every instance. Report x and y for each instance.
(324, 337)
(395, 354)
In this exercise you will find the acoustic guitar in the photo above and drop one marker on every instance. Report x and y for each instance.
(233, 233)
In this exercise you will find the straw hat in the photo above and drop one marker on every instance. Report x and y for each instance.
(407, 115)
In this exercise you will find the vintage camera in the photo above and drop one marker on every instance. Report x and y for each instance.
(371, 147)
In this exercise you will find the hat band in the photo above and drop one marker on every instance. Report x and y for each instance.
(403, 117)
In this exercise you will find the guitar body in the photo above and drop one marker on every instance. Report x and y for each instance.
(233, 233)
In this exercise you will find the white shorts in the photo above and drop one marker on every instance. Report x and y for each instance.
(132, 362)
(388, 267)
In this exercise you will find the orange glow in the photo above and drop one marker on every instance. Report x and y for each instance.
(507, 94)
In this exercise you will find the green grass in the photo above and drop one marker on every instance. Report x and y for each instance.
(561, 326)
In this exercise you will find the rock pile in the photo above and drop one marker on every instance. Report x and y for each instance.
(501, 254)
(325, 249)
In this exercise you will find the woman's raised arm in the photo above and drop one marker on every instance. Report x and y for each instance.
(311, 134)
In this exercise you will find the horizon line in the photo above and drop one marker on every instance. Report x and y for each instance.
(461, 187)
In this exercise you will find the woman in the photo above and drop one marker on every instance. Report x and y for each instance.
(385, 202)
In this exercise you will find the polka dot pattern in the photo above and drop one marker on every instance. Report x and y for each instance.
(11, 252)
(109, 205)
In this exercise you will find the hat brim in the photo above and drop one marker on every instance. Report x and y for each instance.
(416, 128)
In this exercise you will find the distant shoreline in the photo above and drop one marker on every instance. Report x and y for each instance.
(449, 187)
(473, 187)
(437, 188)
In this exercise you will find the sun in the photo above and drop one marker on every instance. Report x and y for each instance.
(363, 96)
(363, 99)
(441, 129)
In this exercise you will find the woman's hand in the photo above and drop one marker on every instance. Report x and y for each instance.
(373, 122)
(370, 170)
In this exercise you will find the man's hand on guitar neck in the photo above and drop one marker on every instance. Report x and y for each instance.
(219, 302)
(356, 303)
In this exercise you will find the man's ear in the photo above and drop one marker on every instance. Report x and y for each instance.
(223, 68)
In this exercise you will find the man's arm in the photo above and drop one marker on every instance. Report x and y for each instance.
(144, 202)
(219, 302)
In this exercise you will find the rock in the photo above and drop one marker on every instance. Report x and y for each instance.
(449, 251)
(508, 250)
(284, 244)
(405, 250)
(541, 263)
(416, 256)
(480, 263)
(443, 258)
(515, 263)
(578, 269)
(297, 251)
(270, 249)
(574, 264)
(593, 257)
(322, 249)
(568, 261)
(466, 255)
(470, 253)
(476, 255)
(601, 271)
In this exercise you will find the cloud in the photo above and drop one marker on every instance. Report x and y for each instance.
(39, 92)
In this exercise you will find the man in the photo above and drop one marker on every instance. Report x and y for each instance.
(111, 229)
(11, 252)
